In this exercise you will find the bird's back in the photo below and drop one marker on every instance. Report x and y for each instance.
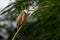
(20, 19)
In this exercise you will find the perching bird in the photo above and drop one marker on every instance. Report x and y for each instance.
(21, 17)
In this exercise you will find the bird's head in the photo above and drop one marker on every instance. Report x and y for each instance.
(26, 10)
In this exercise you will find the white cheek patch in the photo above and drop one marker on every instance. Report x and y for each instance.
(25, 11)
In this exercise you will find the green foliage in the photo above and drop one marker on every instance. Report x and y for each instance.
(48, 25)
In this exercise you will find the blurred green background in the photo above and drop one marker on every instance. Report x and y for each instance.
(42, 23)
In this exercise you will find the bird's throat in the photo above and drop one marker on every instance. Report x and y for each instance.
(26, 11)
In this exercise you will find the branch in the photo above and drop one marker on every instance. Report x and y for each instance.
(16, 33)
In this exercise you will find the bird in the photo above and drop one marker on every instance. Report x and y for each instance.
(21, 17)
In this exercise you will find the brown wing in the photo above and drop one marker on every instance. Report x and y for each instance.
(23, 18)
(20, 19)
